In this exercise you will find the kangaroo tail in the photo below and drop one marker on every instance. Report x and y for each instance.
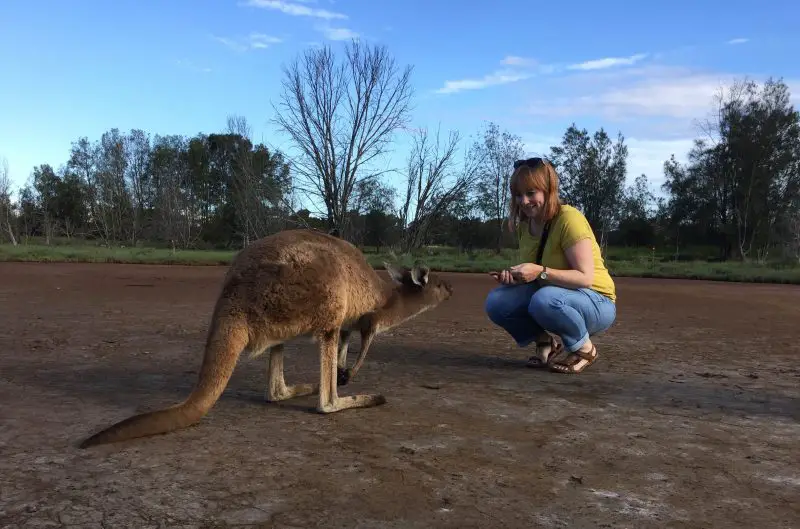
(224, 345)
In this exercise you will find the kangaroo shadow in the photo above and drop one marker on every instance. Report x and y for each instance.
(147, 386)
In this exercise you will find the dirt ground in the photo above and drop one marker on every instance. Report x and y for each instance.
(691, 417)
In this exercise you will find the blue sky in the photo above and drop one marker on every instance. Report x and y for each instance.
(181, 66)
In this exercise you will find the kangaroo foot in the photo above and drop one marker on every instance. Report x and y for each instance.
(352, 401)
(290, 392)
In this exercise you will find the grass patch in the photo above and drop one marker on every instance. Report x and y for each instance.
(621, 262)
(100, 254)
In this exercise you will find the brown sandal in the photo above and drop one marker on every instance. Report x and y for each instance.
(568, 366)
(537, 362)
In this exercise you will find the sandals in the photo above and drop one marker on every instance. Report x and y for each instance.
(540, 361)
(570, 364)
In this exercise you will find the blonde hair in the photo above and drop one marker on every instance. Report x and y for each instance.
(533, 174)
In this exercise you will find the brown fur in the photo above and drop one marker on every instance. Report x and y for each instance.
(291, 284)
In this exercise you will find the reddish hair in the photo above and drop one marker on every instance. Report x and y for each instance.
(540, 176)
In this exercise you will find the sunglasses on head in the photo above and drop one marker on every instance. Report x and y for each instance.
(530, 162)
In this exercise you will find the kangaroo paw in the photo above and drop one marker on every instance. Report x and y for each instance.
(353, 401)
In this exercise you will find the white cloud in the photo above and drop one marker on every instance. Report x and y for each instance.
(685, 97)
(295, 9)
(537, 145)
(657, 108)
(527, 67)
(647, 92)
(499, 77)
(608, 62)
(338, 33)
(514, 60)
(645, 156)
(673, 94)
(738, 41)
(260, 40)
(254, 41)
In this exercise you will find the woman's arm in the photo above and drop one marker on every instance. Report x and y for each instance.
(581, 274)
(580, 259)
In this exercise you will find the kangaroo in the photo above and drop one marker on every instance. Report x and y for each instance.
(295, 283)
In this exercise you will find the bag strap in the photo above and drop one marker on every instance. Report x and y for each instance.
(542, 242)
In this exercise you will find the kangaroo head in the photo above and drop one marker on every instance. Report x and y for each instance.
(418, 284)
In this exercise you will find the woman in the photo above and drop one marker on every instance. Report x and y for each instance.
(562, 288)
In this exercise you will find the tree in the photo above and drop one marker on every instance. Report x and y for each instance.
(592, 174)
(136, 179)
(433, 186)
(340, 118)
(259, 182)
(46, 183)
(746, 170)
(636, 213)
(6, 207)
(498, 151)
(793, 233)
(374, 213)
(173, 202)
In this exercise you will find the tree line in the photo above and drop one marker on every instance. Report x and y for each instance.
(739, 191)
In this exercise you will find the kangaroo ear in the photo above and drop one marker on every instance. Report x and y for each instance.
(394, 273)
(419, 274)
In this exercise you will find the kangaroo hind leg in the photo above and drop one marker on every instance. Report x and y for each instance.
(343, 376)
(277, 389)
(329, 400)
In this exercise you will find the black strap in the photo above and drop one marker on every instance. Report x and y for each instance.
(542, 242)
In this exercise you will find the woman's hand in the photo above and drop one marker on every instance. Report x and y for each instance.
(526, 272)
(504, 276)
(521, 273)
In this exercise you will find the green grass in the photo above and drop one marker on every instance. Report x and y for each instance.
(99, 254)
(621, 261)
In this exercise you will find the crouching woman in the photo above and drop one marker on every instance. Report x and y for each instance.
(562, 286)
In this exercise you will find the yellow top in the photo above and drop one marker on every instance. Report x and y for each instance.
(567, 228)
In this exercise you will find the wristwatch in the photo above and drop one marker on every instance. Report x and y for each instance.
(543, 274)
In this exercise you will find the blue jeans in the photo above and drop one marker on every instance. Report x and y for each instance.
(525, 311)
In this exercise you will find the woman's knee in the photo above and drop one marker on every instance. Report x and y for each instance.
(546, 301)
(497, 304)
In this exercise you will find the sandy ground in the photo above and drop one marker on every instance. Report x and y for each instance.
(691, 418)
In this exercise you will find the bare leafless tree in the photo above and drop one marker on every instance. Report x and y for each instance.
(340, 118)
(5, 201)
(433, 184)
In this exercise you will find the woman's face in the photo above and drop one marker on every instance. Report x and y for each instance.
(532, 203)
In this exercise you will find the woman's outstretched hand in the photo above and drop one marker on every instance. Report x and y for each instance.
(526, 272)
(504, 276)
(521, 273)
